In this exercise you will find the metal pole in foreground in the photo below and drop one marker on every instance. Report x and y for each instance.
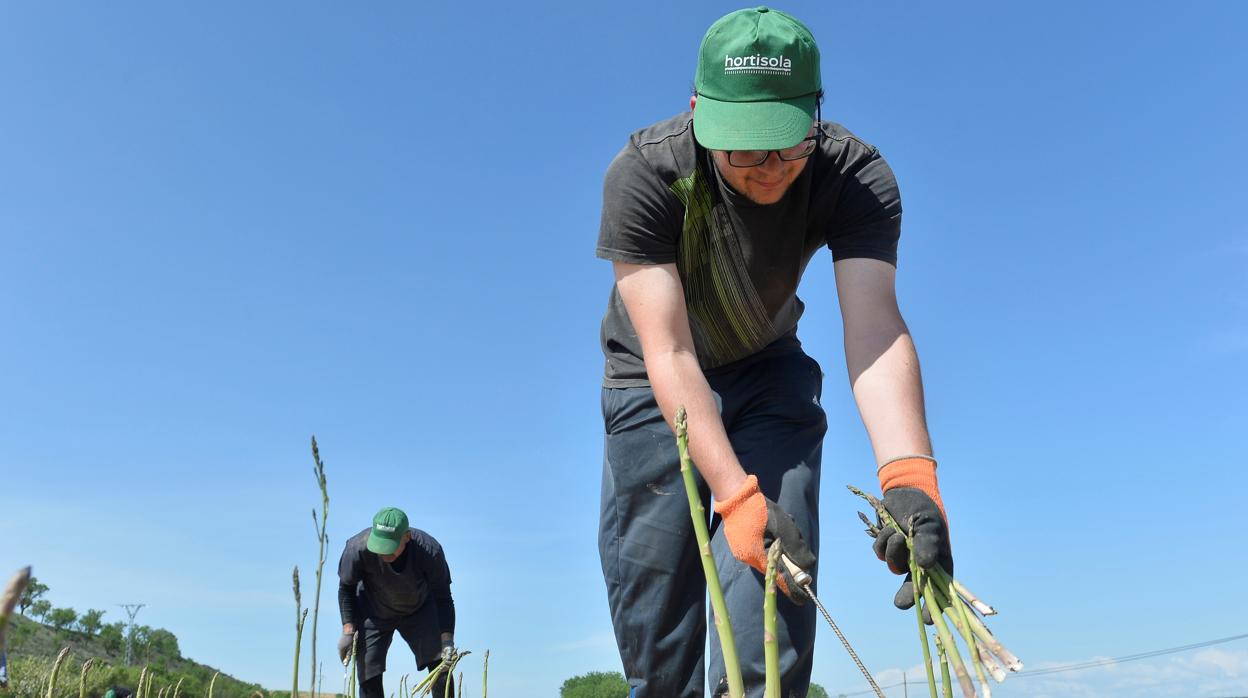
(133, 610)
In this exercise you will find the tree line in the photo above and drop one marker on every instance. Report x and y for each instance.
(148, 641)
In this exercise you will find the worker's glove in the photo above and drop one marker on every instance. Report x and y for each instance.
(913, 499)
(345, 641)
(751, 523)
(448, 650)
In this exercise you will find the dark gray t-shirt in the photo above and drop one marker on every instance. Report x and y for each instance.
(397, 590)
(739, 262)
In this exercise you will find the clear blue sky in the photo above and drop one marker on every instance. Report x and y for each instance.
(224, 228)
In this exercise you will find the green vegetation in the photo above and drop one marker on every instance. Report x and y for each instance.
(33, 647)
(595, 684)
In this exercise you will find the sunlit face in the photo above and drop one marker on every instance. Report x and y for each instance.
(763, 184)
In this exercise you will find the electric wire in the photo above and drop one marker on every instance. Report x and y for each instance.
(1087, 665)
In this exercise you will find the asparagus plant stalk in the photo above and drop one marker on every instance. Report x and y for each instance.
(56, 669)
(771, 645)
(178, 689)
(939, 592)
(927, 653)
(987, 640)
(82, 679)
(723, 624)
(322, 540)
(485, 675)
(946, 683)
(959, 669)
(301, 615)
(212, 683)
(351, 687)
(980, 606)
(8, 600)
(138, 689)
(961, 613)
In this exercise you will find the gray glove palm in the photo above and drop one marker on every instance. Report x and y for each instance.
(345, 641)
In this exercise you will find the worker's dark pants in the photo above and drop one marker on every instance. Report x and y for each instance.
(655, 584)
(419, 631)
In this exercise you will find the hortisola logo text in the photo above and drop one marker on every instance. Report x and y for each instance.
(758, 63)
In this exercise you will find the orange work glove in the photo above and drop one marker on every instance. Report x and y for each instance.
(751, 523)
(913, 499)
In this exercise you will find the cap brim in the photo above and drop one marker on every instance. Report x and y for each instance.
(381, 546)
(752, 125)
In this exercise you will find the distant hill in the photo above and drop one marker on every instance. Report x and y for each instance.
(33, 647)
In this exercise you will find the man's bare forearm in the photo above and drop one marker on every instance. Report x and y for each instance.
(888, 386)
(677, 380)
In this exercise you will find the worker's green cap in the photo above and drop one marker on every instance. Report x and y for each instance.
(757, 82)
(110, 693)
(389, 525)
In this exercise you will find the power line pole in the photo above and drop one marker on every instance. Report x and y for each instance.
(133, 610)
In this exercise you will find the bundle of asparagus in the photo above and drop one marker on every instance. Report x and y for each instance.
(941, 595)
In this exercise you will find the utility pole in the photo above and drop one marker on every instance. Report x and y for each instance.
(133, 610)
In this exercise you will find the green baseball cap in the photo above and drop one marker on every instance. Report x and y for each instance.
(757, 82)
(389, 525)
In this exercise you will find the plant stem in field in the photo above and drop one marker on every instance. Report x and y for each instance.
(960, 612)
(959, 669)
(56, 669)
(915, 579)
(946, 683)
(771, 644)
(986, 639)
(980, 606)
(485, 674)
(177, 688)
(82, 679)
(322, 540)
(12, 594)
(990, 663)
(301, 614)
(351, 670)
(138, 690)
(212, 683)
(732, 665)
(8, 601)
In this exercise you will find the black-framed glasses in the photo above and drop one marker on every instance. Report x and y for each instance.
(754, 158)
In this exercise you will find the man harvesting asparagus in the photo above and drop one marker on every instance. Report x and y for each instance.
(393, 577)
(710, 219)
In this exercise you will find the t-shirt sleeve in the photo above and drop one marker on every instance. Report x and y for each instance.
(349, 567)
(866, 221)
(641, 217)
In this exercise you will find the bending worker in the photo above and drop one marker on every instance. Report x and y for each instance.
(709, 219)
(392, 577)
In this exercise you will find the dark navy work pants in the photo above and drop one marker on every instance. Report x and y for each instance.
(655, 585)
(419, 631)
